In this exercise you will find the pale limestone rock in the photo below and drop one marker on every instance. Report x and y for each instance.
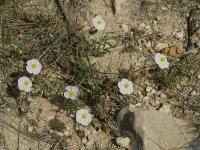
(165, 108)
(148, 89)
(160, 46)
(147, 44)
(124, 142)
(154, 128)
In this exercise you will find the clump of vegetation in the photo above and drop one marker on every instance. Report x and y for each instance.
(63, 49)
(62, 45)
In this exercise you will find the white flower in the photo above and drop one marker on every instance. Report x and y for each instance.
(83, 117)
(161, 60)
(72, 92)
(125, 86)
(99, 23)
(125, 28)
(24, 84)
(33, 66)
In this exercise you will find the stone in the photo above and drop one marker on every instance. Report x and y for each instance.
(152, 129)
(148, 89)
(179, 35)
(90, 144)
(84, 140)
(163, 96)
(147, 44)
(125, 28)
(141, 26)
(193, 93)
(30, 129)
(166, 108)
(160, 46)
(153, 91)
(148, 29)
(198, 76)
(146, 98)
(124, 142)
(8, 109)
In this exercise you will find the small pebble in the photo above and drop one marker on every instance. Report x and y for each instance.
(160, 46)
(198, 76)
(147, 44)
(179, 35)
(141, 26)
(30, 129)
(157, 102)
(125, 28)
(84, 140)
(146, 98)
(66, 133)
(124, 142)
(138, 105)
(165, 108)
(193, 93)
(153, 91)
(163, 96)
(148, 89)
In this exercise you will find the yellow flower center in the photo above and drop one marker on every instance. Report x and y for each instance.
(99, 22)
(26, 83)
(84, 116)
(34, 66)
(71, 93)
(163, 59)
(126, 85)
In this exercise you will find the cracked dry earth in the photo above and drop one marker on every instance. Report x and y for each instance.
(154, 25)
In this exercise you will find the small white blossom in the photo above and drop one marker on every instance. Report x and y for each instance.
(24, 84)
(83, 117)
(161, 60)
(125, 86)
(99, 23)
(72, 92)
(33, 66)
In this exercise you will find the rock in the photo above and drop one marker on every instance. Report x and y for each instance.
(160, 46)
(8, 109)
(125, 28)
(141, 26)
(157, 102)
(146, 98)
(193, 93)
(30, 129)
(178, 35)
(90, 144)
(66, 133)
(146, 128)
(147, 44)
(198, 76)
(148, 89)
(153, 91)
(124, 142)
(84, 140)
(163, 96)
(166, 108)
(148, 29)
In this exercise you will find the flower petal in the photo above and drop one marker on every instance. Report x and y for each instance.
(66, 94)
